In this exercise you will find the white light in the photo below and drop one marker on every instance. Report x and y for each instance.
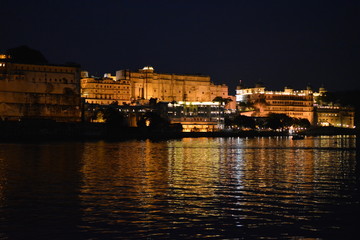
(148, 68)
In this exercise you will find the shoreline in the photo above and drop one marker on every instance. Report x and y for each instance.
(48, 131)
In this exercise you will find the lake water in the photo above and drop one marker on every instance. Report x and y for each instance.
(220, 188)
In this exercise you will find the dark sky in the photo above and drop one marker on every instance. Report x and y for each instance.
(281, 43)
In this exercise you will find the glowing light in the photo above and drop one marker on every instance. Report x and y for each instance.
(197, 103)
(148, 68)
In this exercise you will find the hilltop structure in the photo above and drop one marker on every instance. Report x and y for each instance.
(190, 100)
(330, 113)
(258, 102)
(30, 88)
(104, 91)
(302, 104)
(131, 86)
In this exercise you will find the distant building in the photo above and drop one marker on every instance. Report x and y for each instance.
(197, 116)
(107, 90)
(146, 84)
(258, 102)
(193, 100)
(39, 91)
(336, 116)
(330, 113)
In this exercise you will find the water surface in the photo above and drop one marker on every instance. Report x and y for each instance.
(253, 188)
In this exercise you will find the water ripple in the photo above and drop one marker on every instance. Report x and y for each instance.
(217, 188)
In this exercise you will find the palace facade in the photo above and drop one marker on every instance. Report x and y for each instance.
(131, 86)
(257, 102)
(197, 116)
(104, 91)
(336, 116)
(39, 91)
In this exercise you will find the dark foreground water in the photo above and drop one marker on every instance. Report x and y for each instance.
(221, 188)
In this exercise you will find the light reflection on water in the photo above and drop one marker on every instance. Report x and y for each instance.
(189, 188)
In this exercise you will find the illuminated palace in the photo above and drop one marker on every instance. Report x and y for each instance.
(336, 116)
(257, 102)
(189, 97)
(104, 91)
(130, 86)
(330, 114)
(39, 91)
(197, 116)
(260, 103)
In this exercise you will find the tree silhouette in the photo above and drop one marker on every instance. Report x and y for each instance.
(278, 121)
(244, 121)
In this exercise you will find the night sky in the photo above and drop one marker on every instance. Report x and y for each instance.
(280, 43)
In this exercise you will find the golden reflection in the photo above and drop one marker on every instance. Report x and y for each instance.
(194, 167)
(131, 174)
(153, 188)
(287, 171)
(275, 163)
(152, 181)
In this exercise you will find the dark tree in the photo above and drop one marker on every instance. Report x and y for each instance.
(244, 121)
(113, 116)
(153, 120)
(156, 121)
(152, 101)
(228, 122)
(278, 121)
(301, 122)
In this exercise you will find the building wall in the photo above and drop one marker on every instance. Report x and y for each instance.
(128, 86)
(105, 91)
(335, 116)
(231, 105)
(296, 104)
(146, 84)
(39, 91)
(197, 116)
